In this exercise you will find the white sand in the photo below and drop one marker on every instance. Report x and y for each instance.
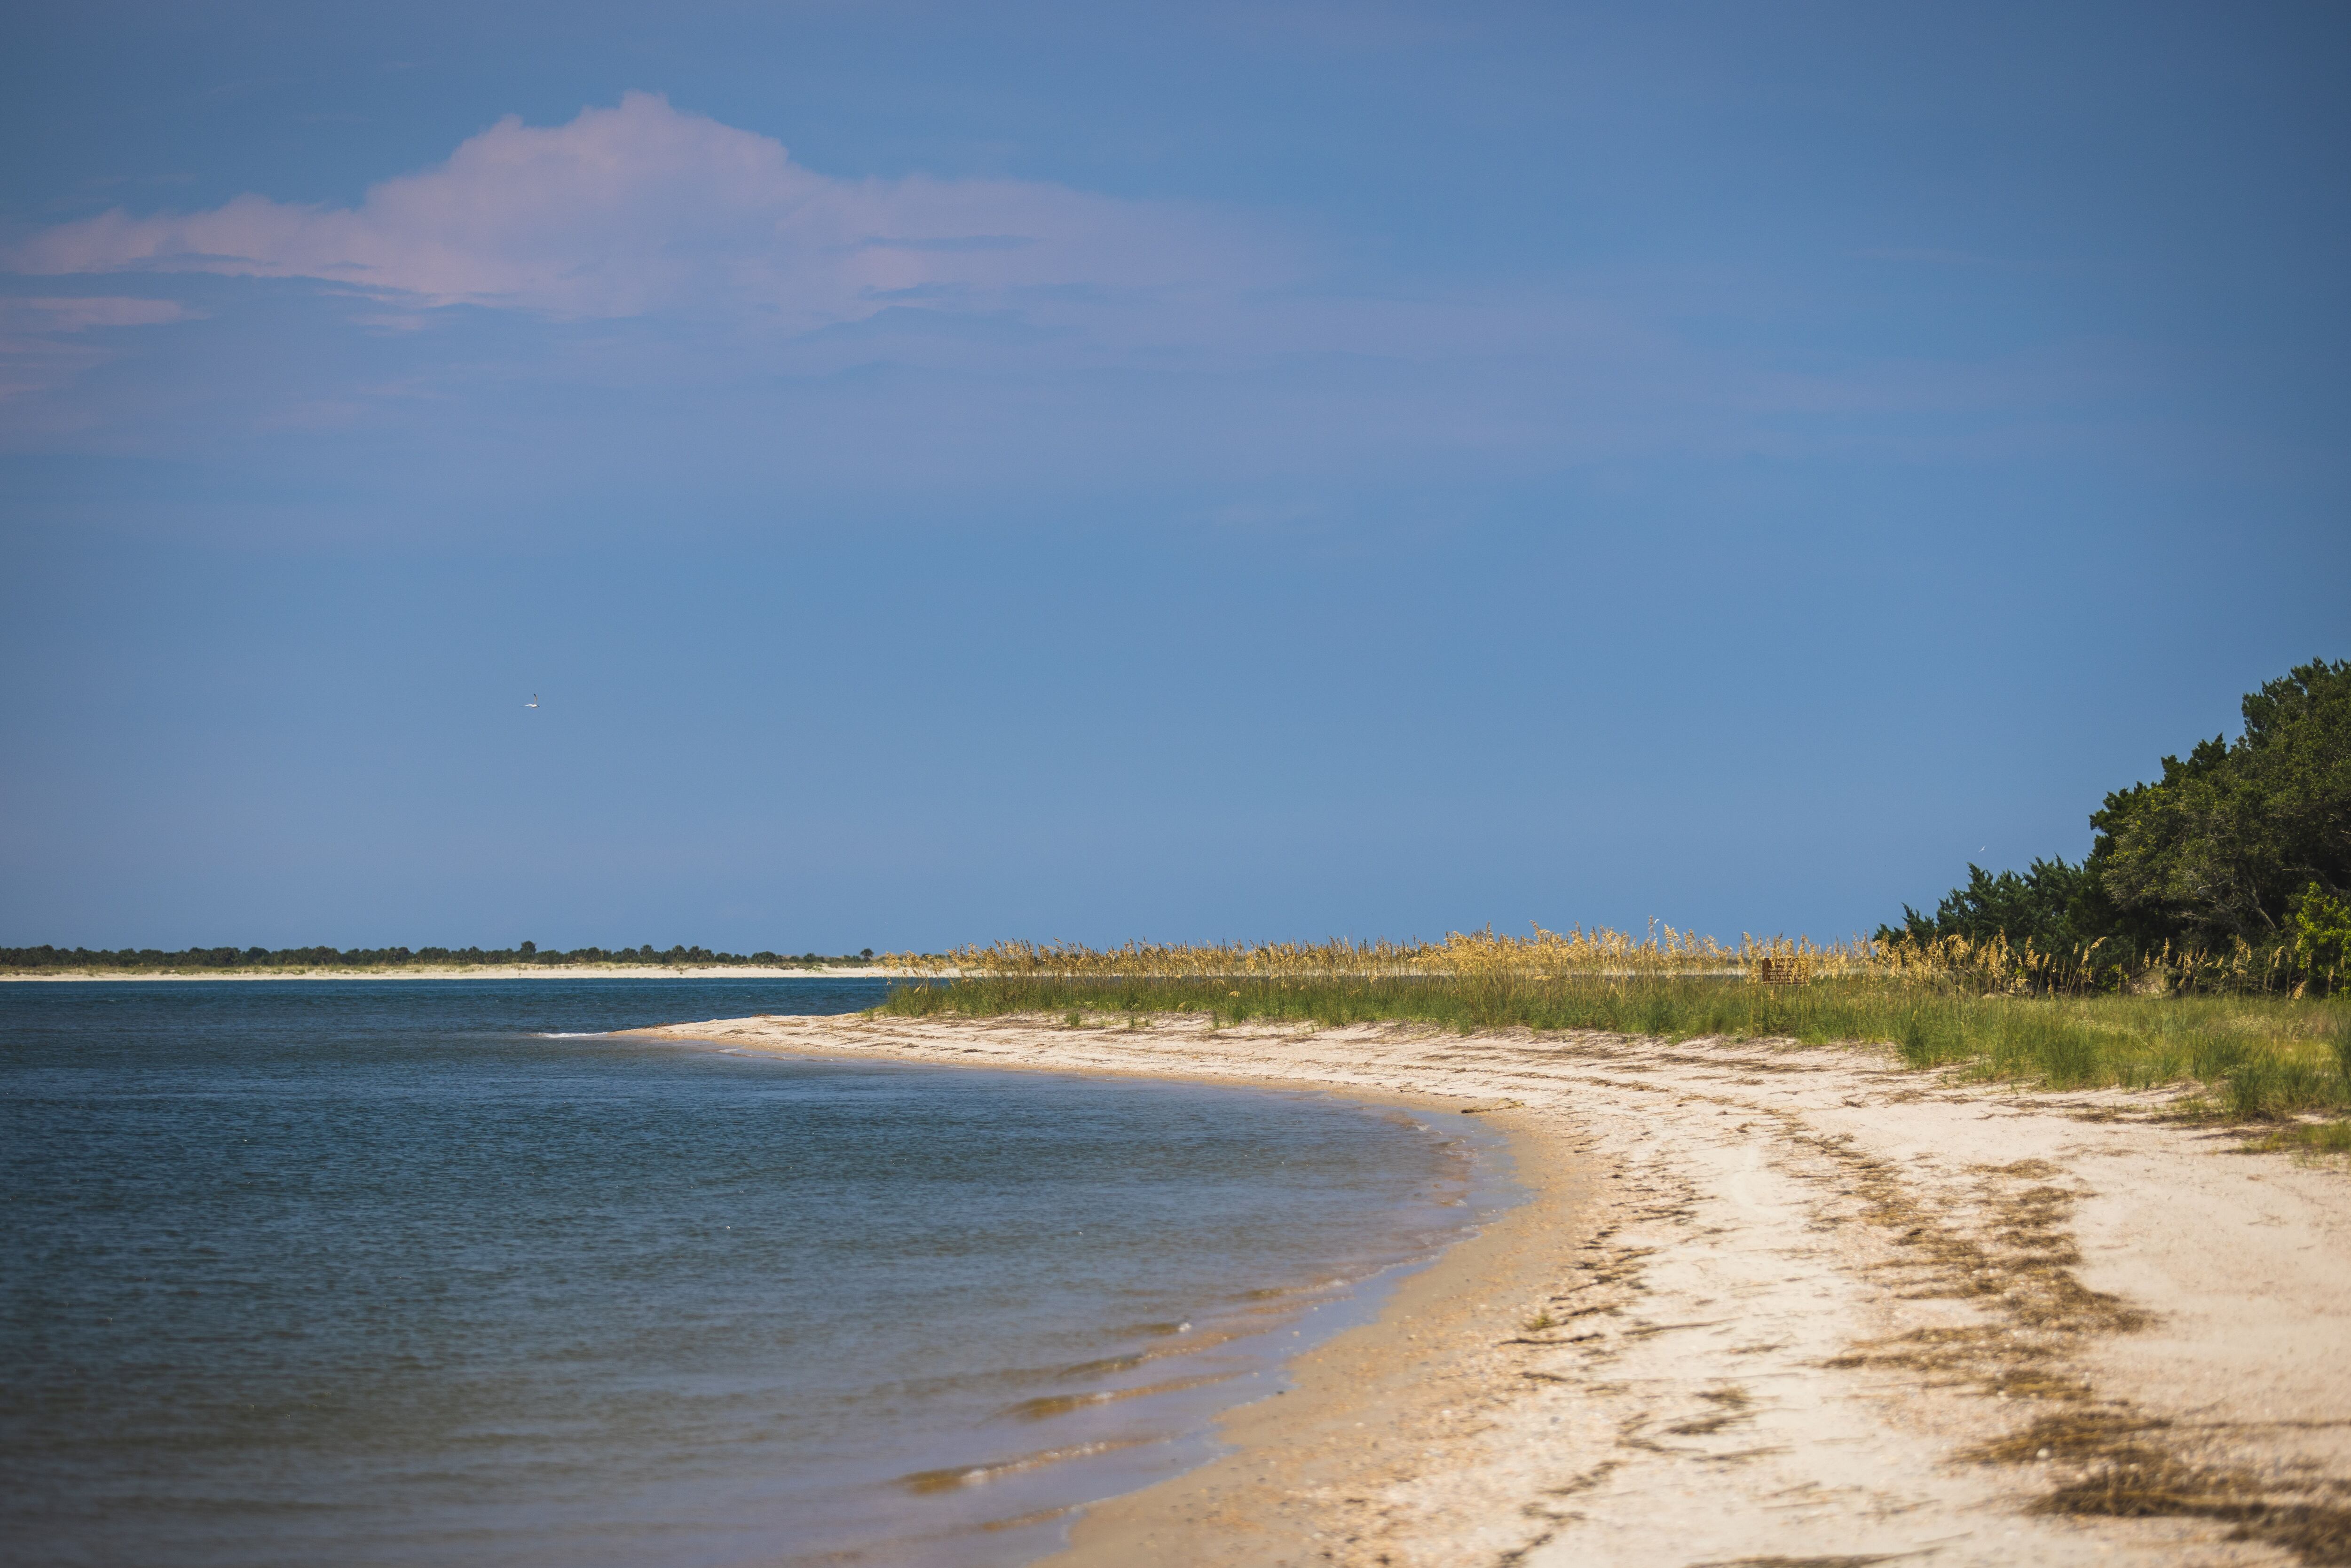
(1792, 1296)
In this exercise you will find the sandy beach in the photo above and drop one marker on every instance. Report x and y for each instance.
(1764, 1306)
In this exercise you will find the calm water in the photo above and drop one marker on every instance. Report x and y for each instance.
(435, 1273)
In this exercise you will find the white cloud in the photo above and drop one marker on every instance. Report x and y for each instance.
(642, 208)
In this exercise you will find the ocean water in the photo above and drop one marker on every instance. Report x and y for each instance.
(445, 1273)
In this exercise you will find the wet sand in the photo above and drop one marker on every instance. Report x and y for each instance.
(1764, 1305)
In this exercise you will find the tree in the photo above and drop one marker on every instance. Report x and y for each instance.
(2240, 841)
(2056, 906)
(2321, 936)
(2221, 847)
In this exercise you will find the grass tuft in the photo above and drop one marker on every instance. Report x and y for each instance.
(2317, 1138)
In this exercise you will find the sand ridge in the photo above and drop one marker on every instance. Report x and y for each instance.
(1765, 1306)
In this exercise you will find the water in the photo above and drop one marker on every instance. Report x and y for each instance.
(437, 1272)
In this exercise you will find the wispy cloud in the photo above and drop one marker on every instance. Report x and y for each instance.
(79, 313)
(39, 337)
(642, 208)
(662, 257)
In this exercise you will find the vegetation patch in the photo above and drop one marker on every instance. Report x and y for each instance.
(2318, 1139)
(2258, 1057)
(2237, 859)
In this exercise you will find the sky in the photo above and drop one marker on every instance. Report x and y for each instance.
(1183, 473)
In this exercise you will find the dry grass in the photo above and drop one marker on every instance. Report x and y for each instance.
(1988, 1010)
(1460, 956)
(1948, 965)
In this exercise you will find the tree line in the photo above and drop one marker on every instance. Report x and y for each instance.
(2242, 845)
(523, 954)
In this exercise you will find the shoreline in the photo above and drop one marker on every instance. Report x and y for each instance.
(490, 972)
(1862, 1312)
(1372, 1390)
(1364, 1372)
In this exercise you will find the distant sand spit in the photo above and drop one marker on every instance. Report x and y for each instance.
(1764, 1305)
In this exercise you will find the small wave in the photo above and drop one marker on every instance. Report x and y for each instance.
(1062, 1404)
(1281, 1298)
(1024, 1520)
(975, 1475)
(1189, 1341)
(570, 1034)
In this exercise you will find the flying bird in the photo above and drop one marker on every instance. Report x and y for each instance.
(533, 700)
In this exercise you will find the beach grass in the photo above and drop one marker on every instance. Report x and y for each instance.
(2257, 1057)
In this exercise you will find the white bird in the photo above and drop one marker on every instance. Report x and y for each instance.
(533, 700)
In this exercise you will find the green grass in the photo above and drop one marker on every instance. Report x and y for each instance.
(2259, 1058)
(2310, 1137)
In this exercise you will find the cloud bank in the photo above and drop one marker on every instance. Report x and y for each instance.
(642, 208)
(653, 270)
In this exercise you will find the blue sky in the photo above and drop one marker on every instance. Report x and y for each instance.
(1185, 473)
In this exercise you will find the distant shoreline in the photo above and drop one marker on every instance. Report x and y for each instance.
(489, 972)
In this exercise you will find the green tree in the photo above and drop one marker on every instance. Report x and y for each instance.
(2224, 844)
(2322, 934)
(2246, 840)
(2056, 905)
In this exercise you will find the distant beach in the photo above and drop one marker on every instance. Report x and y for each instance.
(1851, 1312)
